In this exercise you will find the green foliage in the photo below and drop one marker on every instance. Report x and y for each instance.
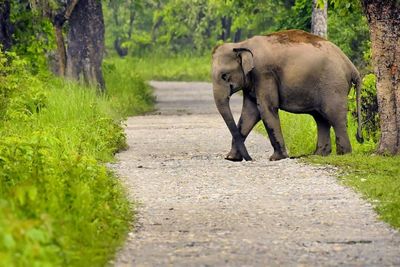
(173, 68)
(130, 23)
(195, 27)
(16, 100)
(59, 204)
(348, 28)
(369, 107)
(133, 95)
(33, 34)
(296, 17)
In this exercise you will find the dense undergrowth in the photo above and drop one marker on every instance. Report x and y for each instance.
(59, 204)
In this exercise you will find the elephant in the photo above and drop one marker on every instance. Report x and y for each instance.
(290, 70)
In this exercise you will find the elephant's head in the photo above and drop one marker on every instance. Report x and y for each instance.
(231, 67)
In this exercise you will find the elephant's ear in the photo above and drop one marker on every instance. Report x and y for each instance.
(246, 59)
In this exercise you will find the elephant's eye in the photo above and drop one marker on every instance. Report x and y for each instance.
(225, 77)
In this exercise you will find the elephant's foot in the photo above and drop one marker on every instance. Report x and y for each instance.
(343, 150)
(232, 156)
(278, 156)
(323, 151)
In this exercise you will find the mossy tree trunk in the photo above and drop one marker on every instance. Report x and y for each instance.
(384, 23)
(5, 24)
(58, 23)
(86, 43)
(319, 20)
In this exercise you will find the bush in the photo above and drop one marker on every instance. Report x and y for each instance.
(369, 107)
(59, 204)
(127, 90)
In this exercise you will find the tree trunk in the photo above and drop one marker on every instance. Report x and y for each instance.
(86, 43)
(61, 51)
(384, 24)
(58, 23)
(319, 25)
(5, 25)
(121, 51)
(238, 35)
(131, 21)
(226, 23)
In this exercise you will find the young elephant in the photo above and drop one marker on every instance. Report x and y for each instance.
(290, 70)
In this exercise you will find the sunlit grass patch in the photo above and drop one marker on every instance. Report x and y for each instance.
(376, 177)
(173, 68)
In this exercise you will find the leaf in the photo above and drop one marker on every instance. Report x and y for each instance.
(8, 241)
(32, 192)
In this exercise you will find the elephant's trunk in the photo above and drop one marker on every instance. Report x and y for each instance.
(226, 113)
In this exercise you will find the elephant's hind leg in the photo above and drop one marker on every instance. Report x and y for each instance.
(324, 147)
(343, 145)
(338, 121)
(248, 119)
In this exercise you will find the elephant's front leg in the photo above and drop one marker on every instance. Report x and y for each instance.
(248, 118)
(268, 103)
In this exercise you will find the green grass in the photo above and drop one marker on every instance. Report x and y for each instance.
(376, 177)
(174, 68)
(59, 204)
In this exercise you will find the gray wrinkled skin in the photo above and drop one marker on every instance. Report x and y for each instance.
(197, 209)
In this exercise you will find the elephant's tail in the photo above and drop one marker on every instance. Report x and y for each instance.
(357, 85)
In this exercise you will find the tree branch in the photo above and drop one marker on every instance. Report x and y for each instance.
(70, 8)
(64, 15)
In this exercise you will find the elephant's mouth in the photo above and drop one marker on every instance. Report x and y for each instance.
(233, 89)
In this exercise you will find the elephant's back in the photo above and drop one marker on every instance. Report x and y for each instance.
(292, 37)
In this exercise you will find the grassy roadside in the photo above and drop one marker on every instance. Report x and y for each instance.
(59, 204)
(377, 178)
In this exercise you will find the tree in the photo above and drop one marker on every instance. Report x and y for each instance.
(384, 23)
(319, 25)
(58, 23)
(82, 57)
(5, 25)
(85, 49)
(123, 17)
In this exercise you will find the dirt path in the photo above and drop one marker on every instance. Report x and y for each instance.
(200, 210)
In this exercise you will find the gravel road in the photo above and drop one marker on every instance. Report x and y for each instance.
(197, 209)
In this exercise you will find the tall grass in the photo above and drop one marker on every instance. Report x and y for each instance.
(170, 68)
(59, 204)
(300, 135)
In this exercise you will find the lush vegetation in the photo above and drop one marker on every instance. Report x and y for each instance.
(177, 27)
(59, 204)
(172, 68)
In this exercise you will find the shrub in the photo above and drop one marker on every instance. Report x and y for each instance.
(369, 107)
(59, 204)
